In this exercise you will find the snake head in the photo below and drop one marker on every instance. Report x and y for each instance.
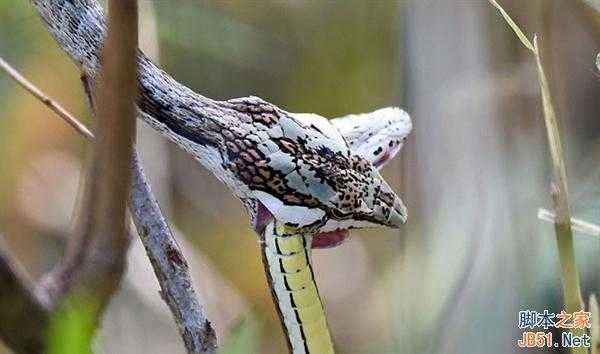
(377, 136)
(364, 200)
(347, 195)
(313, 181)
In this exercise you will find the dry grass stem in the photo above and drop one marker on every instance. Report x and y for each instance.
(578, 225)
(559, 186)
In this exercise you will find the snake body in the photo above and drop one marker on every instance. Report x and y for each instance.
(298, 175)
(288, 265)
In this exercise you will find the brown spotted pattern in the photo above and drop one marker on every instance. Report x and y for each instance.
(356, 190)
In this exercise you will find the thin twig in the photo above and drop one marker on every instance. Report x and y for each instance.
(578, 225)
(49, 102)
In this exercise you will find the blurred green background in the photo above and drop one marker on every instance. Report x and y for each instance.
(473, 173)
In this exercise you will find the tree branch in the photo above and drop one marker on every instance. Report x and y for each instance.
(169, 264)
(95, 258)
(188, 119)
(170, 267)
(163, 251)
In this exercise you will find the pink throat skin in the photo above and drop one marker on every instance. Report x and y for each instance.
(320, 240)
(329, 239)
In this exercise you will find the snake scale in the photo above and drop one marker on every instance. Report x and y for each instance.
(304, 180)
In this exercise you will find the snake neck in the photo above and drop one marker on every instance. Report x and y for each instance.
(290, 275)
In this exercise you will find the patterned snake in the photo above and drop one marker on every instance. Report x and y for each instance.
(303, 179)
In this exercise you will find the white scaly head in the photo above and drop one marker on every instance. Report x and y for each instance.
(376, 136)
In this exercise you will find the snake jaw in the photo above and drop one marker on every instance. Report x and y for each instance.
(261, 217)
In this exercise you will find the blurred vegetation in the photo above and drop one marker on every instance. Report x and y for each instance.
(243, 338)
(473, 173)
(72, 328)
(559, 190)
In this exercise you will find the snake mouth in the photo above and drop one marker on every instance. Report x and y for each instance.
(382, 160)
(329, 239)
